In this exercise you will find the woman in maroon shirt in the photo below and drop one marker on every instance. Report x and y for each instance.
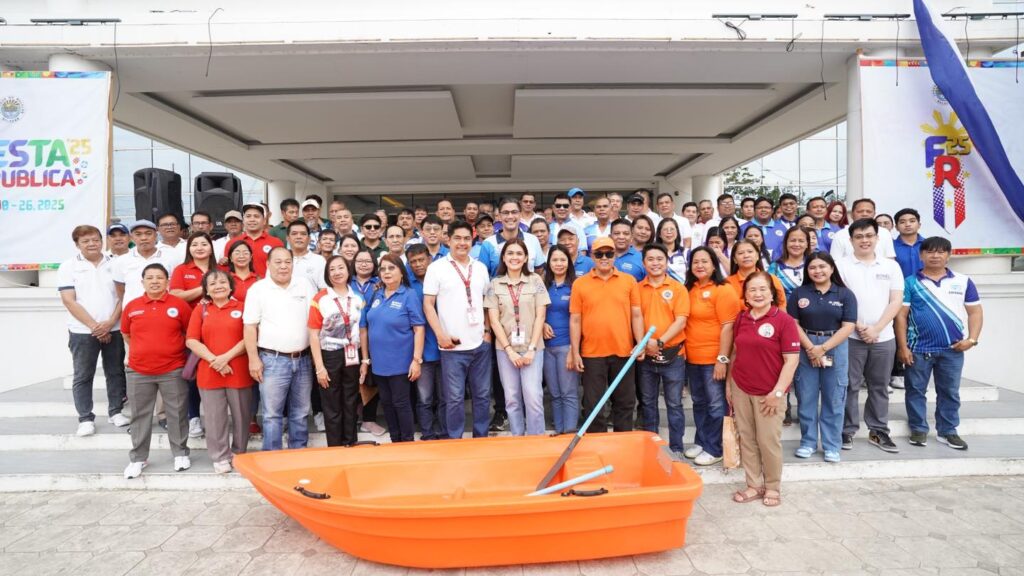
(766, 352)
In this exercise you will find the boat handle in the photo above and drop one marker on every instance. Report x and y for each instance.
(586, 493)
(311, 494)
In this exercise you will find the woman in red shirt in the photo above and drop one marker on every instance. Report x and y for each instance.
(215, 335)
(153, 326)
(766, 352)
(243, 274)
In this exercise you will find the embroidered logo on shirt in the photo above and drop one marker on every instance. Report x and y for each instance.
(667, 294)
(376, 303)
(766, 330)
(395, 305)
(236, 314)
(882, 276)
(779, 232)
(706, 294)
(266, 249)
(803, 303)
(135, 313)
(172, 312)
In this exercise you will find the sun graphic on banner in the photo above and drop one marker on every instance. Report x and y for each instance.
(942, 128)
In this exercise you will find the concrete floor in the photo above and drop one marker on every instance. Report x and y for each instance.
(961, 526)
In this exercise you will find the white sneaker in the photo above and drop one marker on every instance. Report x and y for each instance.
(182, 463)
(119, 420)
(705, 459)
(693, 451)
(318, 419)
(195, 428)
(87, 428)
(134, 470)
(896, 382)
(222, 467)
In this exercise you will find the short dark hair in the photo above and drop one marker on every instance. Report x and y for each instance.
(444, 200)
(484, 216)
(936, 244)
(561, 196)
(509, 200)
(350, 267)
(276, 248)
(369, 216)
(154, 266)
(396, 262)
(688, 204)
(815, 199)
(407, 211)
(787, 196)
(210, 275)
(662, 195)
(723, 197)
(861, 201)
(862, 224)
(620, 222)
(539, 219)
(762, 199)
(416, 250)
(418, 208)
(656, 247)
(748, 199)
(570, 270)
(906, 212)
(330, 232)
(299, 224)
(431, 219)
(172, 215)
(459, 225)
(201, 213)
(289, 202)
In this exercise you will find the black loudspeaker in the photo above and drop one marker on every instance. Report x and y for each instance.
(217, 193)
(157, 192)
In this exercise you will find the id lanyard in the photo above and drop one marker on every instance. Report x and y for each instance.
(514, 295)
(346, 316)
(465, 281)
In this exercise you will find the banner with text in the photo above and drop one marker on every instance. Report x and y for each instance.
(54, 163)
(918, 155)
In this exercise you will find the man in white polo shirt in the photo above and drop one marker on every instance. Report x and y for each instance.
(305, 264)
(878, 285)
(453, 303)
(841, 246)
(87, 290)
(277, 342)
(127, 271)
(233, 226)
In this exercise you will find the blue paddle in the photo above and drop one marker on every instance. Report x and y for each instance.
(593, 413)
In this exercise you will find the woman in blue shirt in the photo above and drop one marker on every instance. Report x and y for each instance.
(563, 382)
(826, 313)
(789, 266)
(668, 235)
(392, 334)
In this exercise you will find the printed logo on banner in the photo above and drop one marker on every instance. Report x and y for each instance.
(943, 149)
(11, 109)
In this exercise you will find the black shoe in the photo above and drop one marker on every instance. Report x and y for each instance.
(788, 420)
(918, 438)
(953, 441)
(163, 423)
(847, 441)
(499, 423)
(882, 440)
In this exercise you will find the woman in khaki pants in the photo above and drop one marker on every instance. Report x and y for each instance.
(765, 356)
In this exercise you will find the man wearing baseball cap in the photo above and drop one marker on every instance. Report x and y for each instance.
(127, 270)
(577, 214)
(567, 239)
(311, 214)
(233, 226)
(117, 240)
(254, 223)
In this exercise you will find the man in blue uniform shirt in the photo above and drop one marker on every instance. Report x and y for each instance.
(627, 258)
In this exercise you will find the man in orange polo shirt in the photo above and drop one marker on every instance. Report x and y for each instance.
(254, 220)
(605, 323)
(665, 304)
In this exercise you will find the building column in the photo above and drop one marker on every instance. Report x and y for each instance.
(277, 192)
(706, 188)
(854, 129)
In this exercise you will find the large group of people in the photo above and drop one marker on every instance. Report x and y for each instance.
(320, 322)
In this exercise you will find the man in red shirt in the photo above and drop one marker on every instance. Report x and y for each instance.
(254, 221)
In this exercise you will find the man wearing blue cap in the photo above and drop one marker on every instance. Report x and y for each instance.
(577, 214)
(117, 240)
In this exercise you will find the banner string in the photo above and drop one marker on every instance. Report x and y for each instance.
(821, 56)
(117, 70)
(967, 37)
(209, 36)
(793, 36)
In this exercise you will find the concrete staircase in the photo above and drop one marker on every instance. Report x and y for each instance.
(39, 449)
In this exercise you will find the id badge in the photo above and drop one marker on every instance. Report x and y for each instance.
(351, 355)
(517, 338)
(826, 361)
(472, 316)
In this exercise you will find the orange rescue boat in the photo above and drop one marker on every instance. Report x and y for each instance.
(463, 503)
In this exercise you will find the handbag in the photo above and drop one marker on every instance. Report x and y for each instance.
(192, 362)
(730, 443)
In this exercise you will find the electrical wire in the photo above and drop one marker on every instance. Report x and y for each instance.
(740, 34)
(209, 36)
(967, 37)
(793, 37)
(821, 56)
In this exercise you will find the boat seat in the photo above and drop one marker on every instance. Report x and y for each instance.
(581, 464)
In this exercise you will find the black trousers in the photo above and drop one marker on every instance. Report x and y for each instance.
(396, 400)
(598, 373)
(340, 399)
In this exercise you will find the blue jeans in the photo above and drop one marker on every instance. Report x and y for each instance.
(708, 397)
(524, 392)
(285, 381)
(457, 369)
(945, 367)
(84, 351)
(830, 386)
(428, 390)
(670, 376)
(563, 384)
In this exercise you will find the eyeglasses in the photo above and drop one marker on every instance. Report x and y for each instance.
(604, 254)
(371, 226)
(865, 236)
(509, 212)
(560, 205)
(169, 225)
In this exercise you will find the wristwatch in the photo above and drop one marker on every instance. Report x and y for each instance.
(972, 341)
(366, 361)
(418, 360)
(722, 359)
(532, 348)
(660, 343)
(779, 394)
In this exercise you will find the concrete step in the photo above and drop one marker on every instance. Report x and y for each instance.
(54, 399)
(42, 470)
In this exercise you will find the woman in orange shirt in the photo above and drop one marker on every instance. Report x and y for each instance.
(713, 308)
(746, 259)
(215, 335)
